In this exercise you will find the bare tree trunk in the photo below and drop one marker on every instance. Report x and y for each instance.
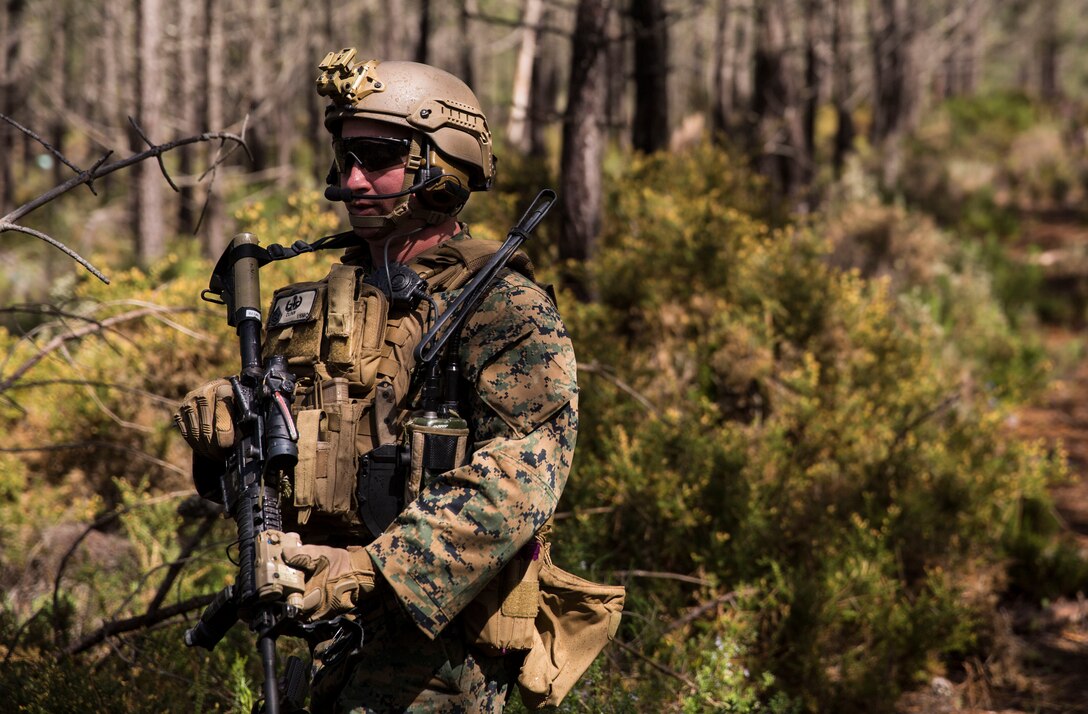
(842, 84)
(59, 87)
(583, 142)
(892, 35)
(743, 61)
(1049, 50)
(423, 41)
(650, 131)
(776, 110)
(810, 95)
(545, 95)
(10, 88)
(972, 41)
(517, 130)
(147, 183)
(259, 22)
(186, 104)
(284, 134)
(616, 81)
(468, 54)
(321, 34)
(722, 118)
(212, 222)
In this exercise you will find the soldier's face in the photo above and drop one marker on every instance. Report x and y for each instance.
(372, 173)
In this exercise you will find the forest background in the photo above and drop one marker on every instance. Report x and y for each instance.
(821, 260)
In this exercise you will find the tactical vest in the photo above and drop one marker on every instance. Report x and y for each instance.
(353, 358)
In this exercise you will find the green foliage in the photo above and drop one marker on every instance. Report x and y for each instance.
(990, 122)
(831, 442)
(805, 422)
(108, 399)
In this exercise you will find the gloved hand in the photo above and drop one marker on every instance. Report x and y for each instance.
(337, 579)
(204, 419)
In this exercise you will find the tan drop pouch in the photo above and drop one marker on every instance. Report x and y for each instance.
(502, 618)
(577, 618)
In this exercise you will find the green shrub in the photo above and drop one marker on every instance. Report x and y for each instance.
(830, 442)
(793, 453)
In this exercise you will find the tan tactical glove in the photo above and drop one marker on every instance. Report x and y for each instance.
(337, 578)
(204, 419)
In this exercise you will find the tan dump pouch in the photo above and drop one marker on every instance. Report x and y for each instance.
(503, 617)
(577, 619)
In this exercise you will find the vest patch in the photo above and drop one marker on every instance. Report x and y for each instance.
(292, 309)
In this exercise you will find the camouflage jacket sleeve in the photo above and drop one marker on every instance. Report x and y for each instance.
(469, 522)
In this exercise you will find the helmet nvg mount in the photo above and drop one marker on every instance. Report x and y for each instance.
(450, 153)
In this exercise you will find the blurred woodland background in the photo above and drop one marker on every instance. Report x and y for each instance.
(825, 263)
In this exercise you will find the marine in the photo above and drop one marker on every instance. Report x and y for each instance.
(423, 491)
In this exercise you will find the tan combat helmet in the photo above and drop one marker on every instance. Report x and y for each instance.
(450, 152)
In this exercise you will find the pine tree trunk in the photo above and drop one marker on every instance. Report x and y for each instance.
(10, 24)
(186, 105)
(722, 119)
(467, 49)
(650, 125)
(542, 107)
(776, 108)
(892, 34)
(583, 143)
(424, 38)
(147, 194)
(1049, 50)
(517, 130)
(842, 82)
(212, 223)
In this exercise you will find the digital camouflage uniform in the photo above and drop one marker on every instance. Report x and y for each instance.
(468, 523)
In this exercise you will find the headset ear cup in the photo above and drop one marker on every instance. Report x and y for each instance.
(447, 195)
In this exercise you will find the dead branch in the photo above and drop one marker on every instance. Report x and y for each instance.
(152, 617)
(661, 576)
(596, 511)
(219, 158)
(151, 145)
(187, 549)
(6, 226)
(97, 444)
(171, 404)
(173, 568)
(598, 368)
(100, 168)
(98, 523)
(48, 147)
(98, 326)
(701, 609)
(668, 672)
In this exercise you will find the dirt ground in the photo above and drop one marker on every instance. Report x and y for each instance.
(1040, 660)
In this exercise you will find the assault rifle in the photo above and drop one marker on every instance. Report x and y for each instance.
(267, 591)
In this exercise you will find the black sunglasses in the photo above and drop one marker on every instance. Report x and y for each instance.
(370, 153)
